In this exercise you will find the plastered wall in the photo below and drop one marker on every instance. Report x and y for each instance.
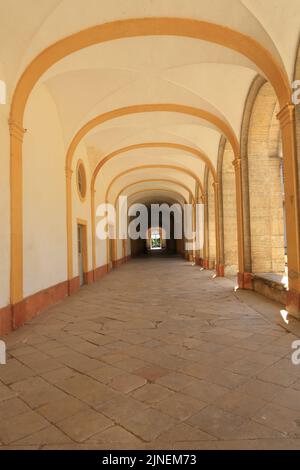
(44, 244)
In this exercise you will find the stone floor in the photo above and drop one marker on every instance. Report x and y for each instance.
(158, 354)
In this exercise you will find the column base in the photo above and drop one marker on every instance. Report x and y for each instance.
(245, 280)
(198, 261)
(206, 263)
(73, 285)
(220, 270)
(100, 272)
(293, 303)
(89, 277)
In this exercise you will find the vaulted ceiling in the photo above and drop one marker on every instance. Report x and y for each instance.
(147, 70)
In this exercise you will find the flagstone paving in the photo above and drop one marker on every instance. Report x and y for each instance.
(156, 355)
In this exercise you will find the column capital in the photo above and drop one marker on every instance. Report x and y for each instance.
(216, 184)
(203, 197)
(286, 115)
(16, 130)
(237, 164)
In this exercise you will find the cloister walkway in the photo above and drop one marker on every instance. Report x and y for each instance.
(157, 354)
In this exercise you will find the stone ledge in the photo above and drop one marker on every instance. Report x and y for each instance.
(269, 285)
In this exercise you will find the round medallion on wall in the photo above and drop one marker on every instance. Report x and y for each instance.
(81, 180)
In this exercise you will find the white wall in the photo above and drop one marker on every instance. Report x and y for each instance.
(45, 246)
(101, 248)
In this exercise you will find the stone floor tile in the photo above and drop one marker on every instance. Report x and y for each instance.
(131, 365)
(258, 388)
(126, 383)
(180, 406)
(56, 375)
(36, 392)
(87, 389)
(296, 385)
(21, 351)
(185, 433)
(12, 407)
(205, 391)
(97, 338)
(288, 398)
(217, 422)
(60, 409)
(280, 418)
(84, 424)
(105, 373)
(241, 404)
(277, 376)
(245, 367)
(14, 371)
(199, 370)
(6, 392)
(175, 381)
(151, 393)
(117, 435)
(49, 435)
(226, 378)
(253, 430)
(149, 424)
(113, 358)
(79, 362)
(21, 426)
(122, 408)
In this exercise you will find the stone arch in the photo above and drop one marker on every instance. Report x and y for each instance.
(220, 192)
(256, 85)
(212, 252)
(227, 212)
(297, 114)
(265, 187)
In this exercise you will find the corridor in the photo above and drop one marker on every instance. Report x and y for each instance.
(158, 354)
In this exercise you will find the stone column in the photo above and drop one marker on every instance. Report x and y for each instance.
(206, 244)
(244, 278)
(93, 229)
(219, 265)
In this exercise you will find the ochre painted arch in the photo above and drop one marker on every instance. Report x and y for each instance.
(154, 166)
(185, 148)
(165, 180)
(154, 26)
